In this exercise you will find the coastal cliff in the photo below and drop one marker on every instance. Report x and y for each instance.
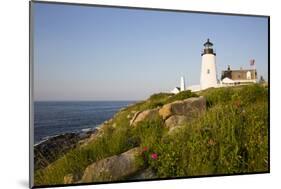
(216, 131)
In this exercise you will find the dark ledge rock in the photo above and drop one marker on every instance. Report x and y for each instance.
(50, 150)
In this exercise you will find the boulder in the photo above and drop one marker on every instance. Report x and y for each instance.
(144, 175)
(134, 117)
(113, 168)
(189, 107)
(68, 179)
(176, 120)
(150, 114)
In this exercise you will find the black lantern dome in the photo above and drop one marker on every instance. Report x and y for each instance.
(208, 48)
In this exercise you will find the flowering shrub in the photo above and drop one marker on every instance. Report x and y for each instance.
(148, 155)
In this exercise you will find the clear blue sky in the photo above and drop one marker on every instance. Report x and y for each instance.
(93, 53)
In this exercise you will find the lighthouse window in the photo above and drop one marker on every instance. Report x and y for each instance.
(208, 71)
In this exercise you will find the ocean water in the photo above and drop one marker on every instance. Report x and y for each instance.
(54, 118)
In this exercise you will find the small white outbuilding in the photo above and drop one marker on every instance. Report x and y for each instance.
(176, 90)
(227, 81)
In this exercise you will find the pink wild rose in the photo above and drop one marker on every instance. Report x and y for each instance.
(144, 149)
(154, 156)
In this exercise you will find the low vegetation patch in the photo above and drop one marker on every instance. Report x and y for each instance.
(230, 137)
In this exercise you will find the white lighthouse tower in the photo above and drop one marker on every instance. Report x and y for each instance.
(182, 87)
(208, 67)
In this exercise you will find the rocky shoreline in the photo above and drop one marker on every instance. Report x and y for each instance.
(54, 147)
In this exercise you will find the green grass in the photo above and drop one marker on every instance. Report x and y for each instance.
(230, 137)
(225, 140)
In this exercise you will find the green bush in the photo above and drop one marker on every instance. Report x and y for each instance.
(181, 96)
(160, 99)
(150, 132)
(252, 93)
(243, 94)
(159, 96)
(218, 95)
